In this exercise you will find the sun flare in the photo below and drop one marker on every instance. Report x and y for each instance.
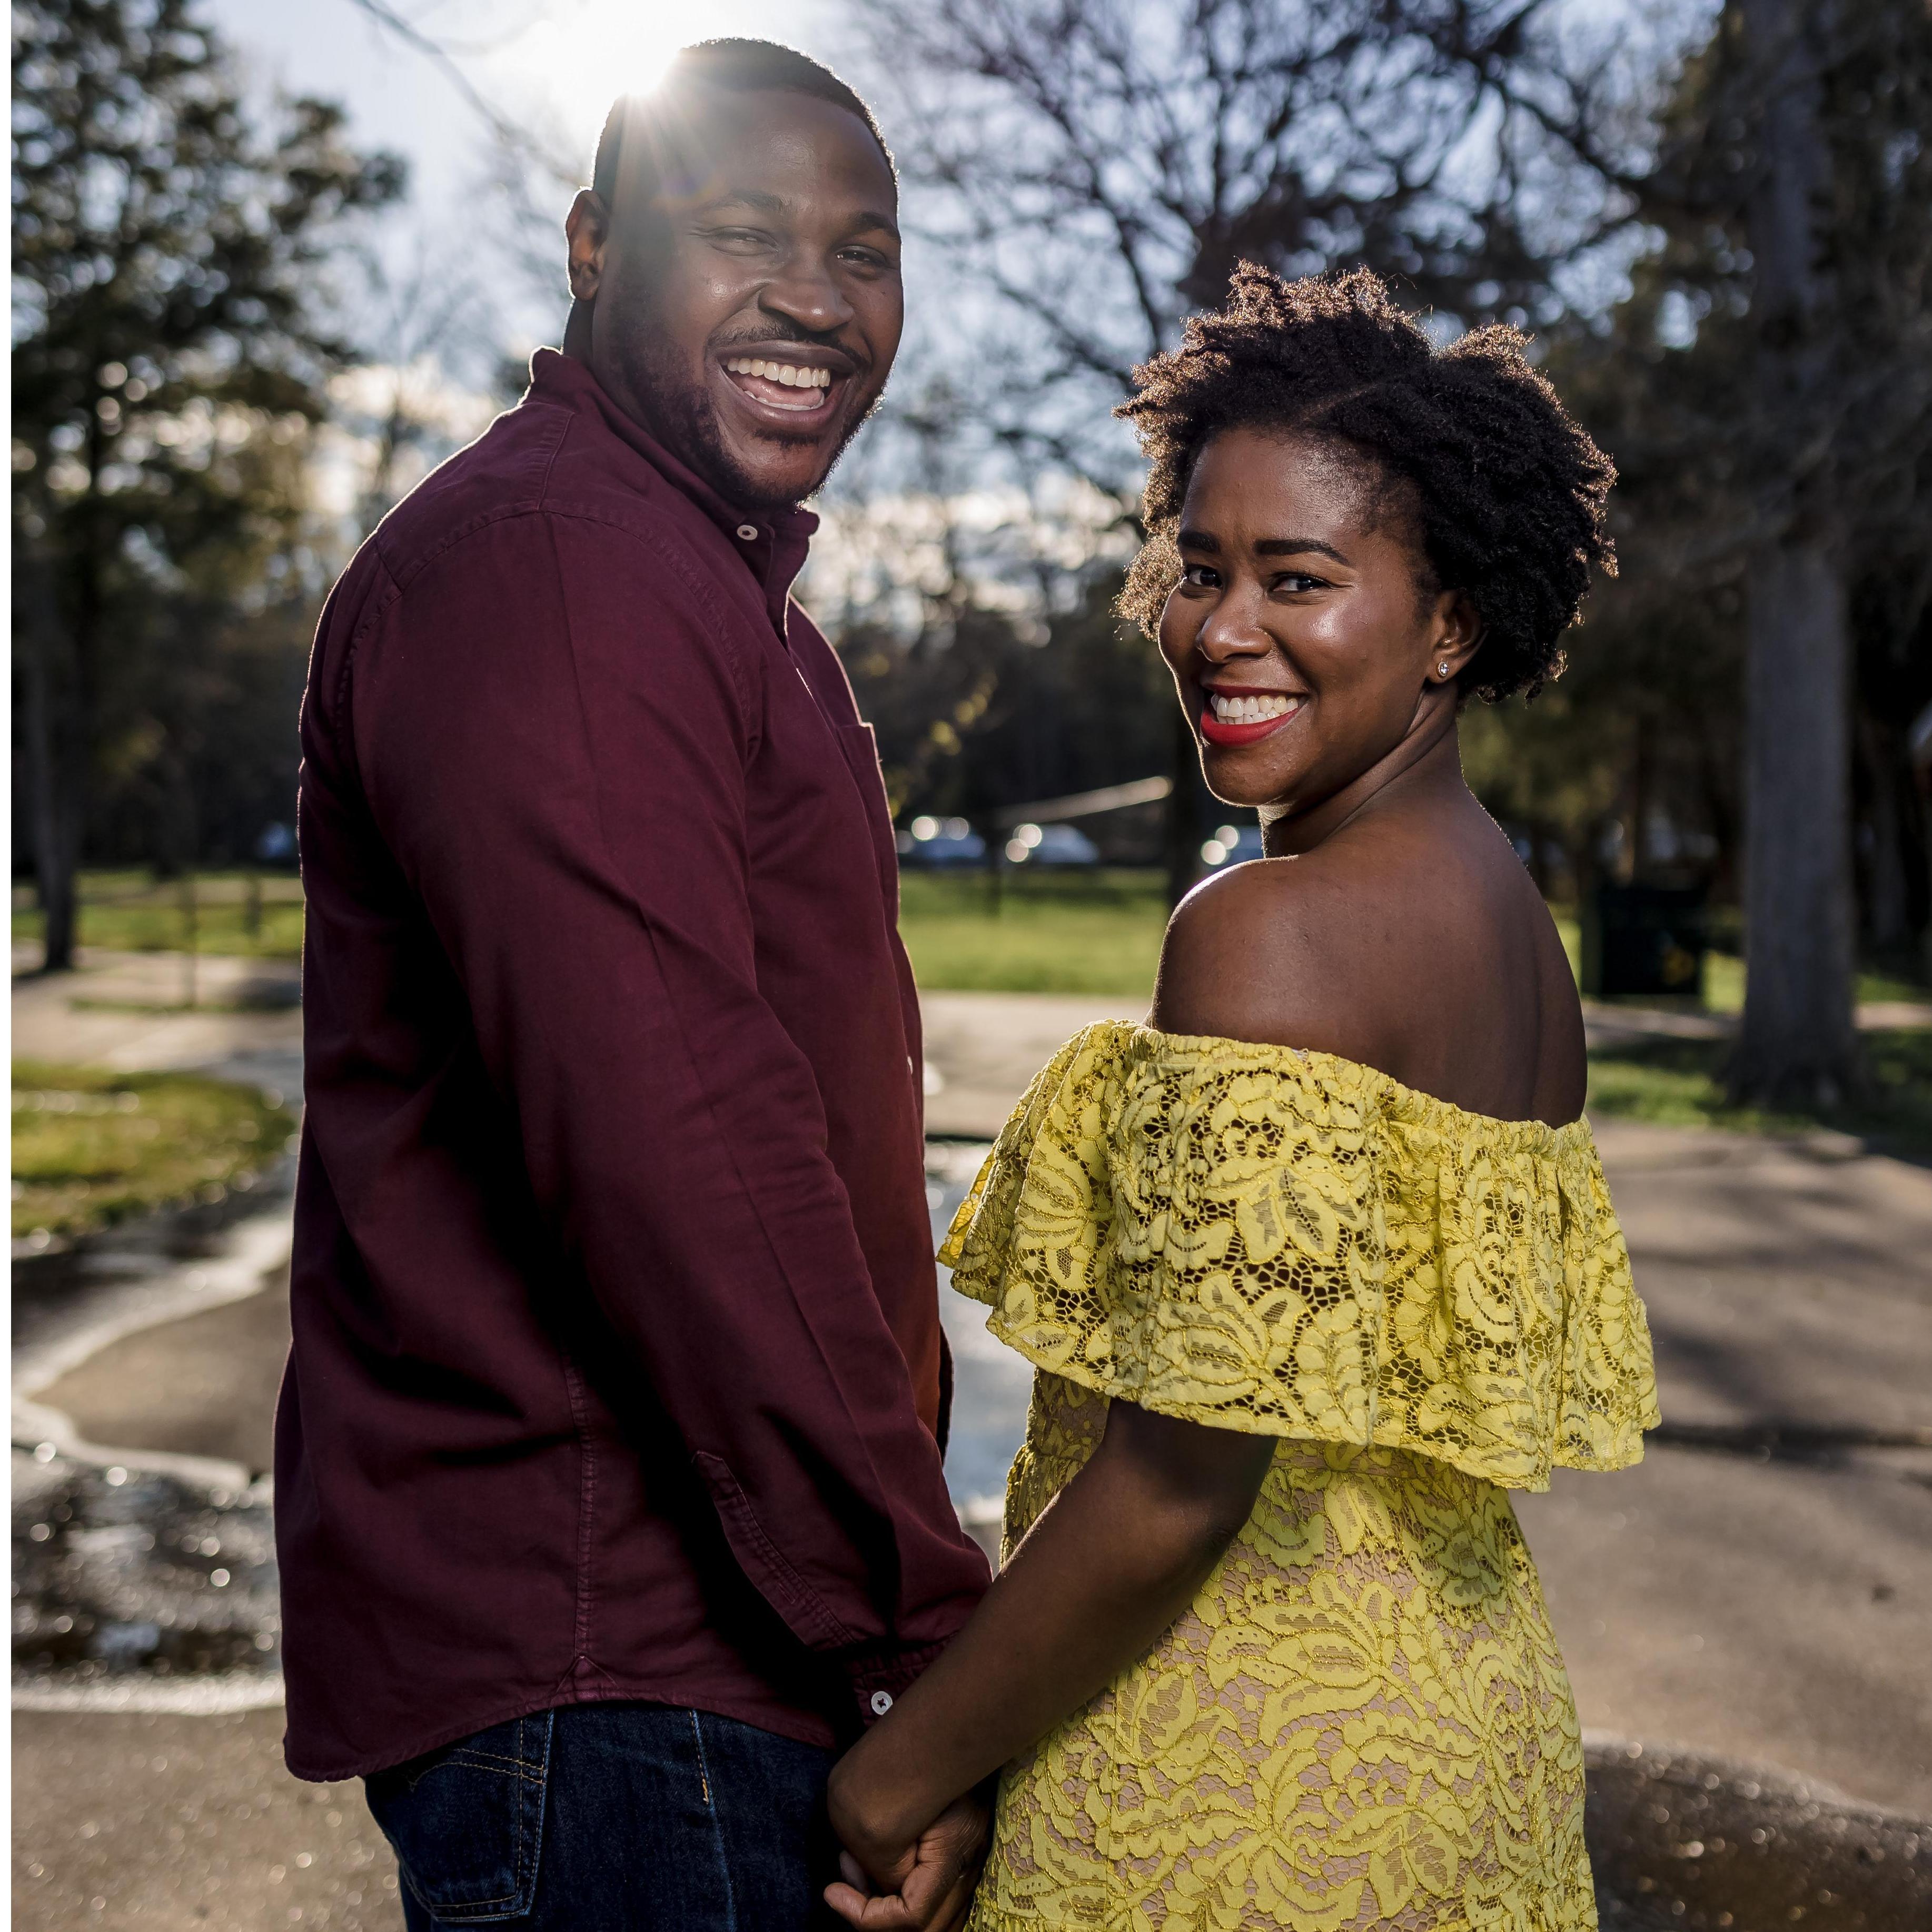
(584, 53)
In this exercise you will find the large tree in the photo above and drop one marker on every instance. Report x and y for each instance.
(1092, 170)
(170, 336)
(1835, 104)
(1767, 389)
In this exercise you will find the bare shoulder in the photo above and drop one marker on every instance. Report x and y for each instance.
(1414, 947)
(1262, 952)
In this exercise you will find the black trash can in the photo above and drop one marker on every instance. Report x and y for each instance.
(1644, 940)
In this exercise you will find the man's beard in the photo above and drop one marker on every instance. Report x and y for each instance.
(682, 418)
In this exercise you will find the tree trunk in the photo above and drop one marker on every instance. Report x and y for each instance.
(1884, 843)
(1799, 1042)
(56, 843)
(1642, 791)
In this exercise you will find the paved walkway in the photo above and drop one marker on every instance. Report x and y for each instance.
(143, 1822)
(983, 1048)
(129, 1010)
(1762, 1604)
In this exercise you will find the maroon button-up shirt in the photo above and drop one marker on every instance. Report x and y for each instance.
(617, 1362)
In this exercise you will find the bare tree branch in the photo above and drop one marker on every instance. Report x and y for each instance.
(513, 136)
(1097, 168)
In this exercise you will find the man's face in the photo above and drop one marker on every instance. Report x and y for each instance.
(749, 312)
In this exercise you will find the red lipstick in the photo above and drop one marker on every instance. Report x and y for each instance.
(1216, 731)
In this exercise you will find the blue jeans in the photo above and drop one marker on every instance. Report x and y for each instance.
(612, 1818)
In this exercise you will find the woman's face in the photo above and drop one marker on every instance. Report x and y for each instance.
(1303, 643)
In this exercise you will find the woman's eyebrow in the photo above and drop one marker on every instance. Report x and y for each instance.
(1295, 547)
(1197, 540)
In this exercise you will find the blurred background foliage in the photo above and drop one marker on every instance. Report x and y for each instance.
(174, 336)
(220, 384)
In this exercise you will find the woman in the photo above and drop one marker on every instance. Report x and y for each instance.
(1319, 1264)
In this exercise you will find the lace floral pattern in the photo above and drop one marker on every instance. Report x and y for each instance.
(1362, 1724)
(1296, 1245)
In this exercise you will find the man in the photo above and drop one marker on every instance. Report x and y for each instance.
(608, 1461)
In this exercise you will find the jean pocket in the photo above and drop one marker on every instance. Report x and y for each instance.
(466, 1822)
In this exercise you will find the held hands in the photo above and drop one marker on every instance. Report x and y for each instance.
(926, 1885)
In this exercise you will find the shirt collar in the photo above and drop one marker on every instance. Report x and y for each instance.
(773, 543)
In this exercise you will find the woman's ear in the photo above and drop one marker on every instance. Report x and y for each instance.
(1456, 629)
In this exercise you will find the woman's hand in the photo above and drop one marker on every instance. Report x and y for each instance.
(924, 1886)
(1111, 1561)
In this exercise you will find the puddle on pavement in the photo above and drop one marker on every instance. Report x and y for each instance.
(991, 1385)
(122, 1572)
(1710, 1846)
(48, 1286)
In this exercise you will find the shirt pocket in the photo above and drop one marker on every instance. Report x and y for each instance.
(466, 1822)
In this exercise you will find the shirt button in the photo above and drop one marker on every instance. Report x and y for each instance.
(749, 532)
(882, 1702)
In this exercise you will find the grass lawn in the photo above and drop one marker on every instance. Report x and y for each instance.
(91, 1147)
(1724, 977)
(1680, 1083)
(1095, 932)
(258, 915)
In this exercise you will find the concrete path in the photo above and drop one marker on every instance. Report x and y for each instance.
(147, 1822)
(204, 1385)
(983, 1048)
(125, 1010)
(1768, 1597)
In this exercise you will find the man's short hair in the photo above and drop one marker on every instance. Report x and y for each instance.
(725, 67)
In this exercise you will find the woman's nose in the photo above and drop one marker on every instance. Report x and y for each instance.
(1233, 629)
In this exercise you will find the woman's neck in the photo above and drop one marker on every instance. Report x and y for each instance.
(1428, 761)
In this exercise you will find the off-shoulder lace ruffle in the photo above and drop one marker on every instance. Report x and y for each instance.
(1294, 1244)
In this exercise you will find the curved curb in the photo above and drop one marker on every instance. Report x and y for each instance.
(252, 1248)
(1680, 1839)
(199, 1697)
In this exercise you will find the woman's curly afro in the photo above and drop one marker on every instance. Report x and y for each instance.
(1505, 491)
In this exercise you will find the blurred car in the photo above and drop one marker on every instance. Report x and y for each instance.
(940, 841)
(1232, 845)
(276, 846)
(1052, 845)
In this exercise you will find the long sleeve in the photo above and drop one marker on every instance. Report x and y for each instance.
(553, 728)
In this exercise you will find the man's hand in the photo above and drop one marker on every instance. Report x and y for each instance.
(926, 1886)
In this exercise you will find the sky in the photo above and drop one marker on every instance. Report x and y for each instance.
(557, 64)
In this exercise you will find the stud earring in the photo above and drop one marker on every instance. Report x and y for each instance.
(1442, 669)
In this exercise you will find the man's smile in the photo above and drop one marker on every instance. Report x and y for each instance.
(792, 386)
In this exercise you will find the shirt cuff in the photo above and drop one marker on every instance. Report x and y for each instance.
(879, 1678)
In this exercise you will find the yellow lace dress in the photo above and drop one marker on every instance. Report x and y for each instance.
(1362, 1721)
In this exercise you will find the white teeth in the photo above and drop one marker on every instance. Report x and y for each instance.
(1251, 710)
(792, 375)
